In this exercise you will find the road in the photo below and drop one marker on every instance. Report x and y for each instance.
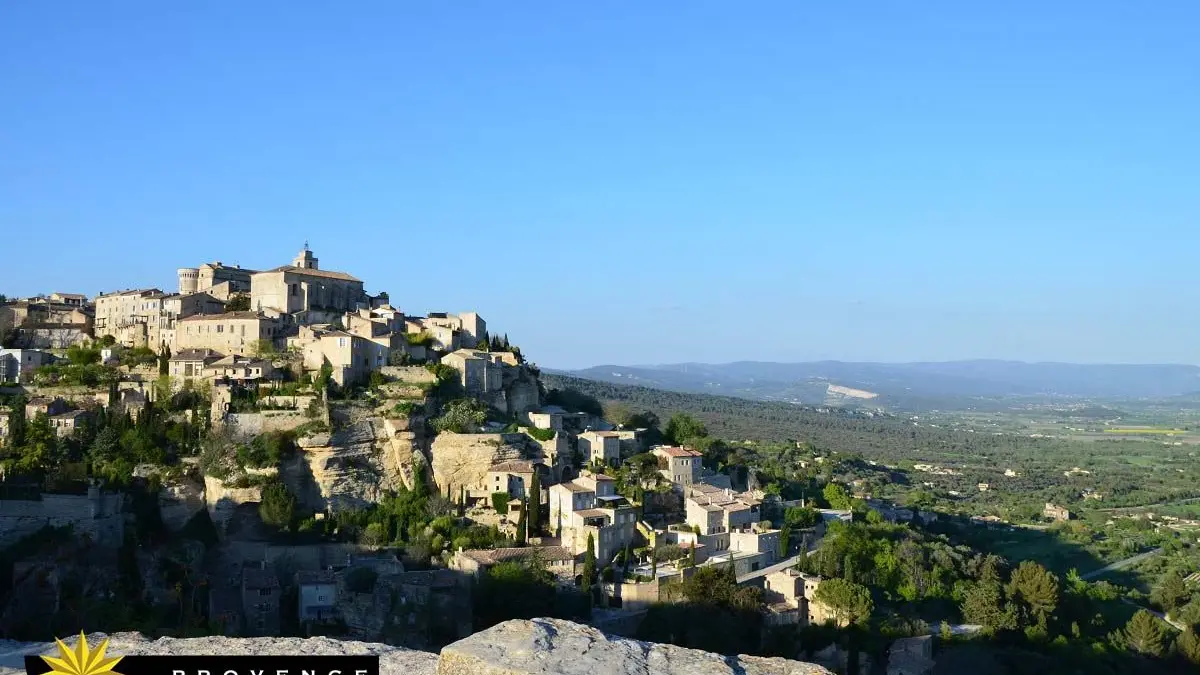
(1120, 564)
(1174, 624)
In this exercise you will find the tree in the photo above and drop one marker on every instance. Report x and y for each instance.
(1035, 589)
(983, 604)
(851, 603)
(589, 565)
(1144, 635)
(535, 503)
(238, 303)
(523, 524)
(1188, 646)
(837, 497)
(164, 361)
(500, 502)
(785, 544)
(682, 428)
(1171, 592)
(801, 516)
(278, 506)
(17, 422)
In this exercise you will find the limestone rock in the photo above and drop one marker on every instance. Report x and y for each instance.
(223, 500)
(462, 460)
(178, 503)
(557, 647)
(392, 660)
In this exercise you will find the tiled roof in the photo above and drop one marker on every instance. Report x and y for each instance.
(327, 274)
(677, 452)
(195, 355)
(574, 487)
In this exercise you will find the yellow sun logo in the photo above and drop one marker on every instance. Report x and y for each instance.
(81, 660)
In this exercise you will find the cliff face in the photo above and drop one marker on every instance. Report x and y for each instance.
(535, 647)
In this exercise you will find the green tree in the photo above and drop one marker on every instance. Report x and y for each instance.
(17, 422)
(683, 428)
(589, 565)
(1188, 646)
(1035, 589)
(851, 603)
(983, 604)
(1144, 634)
(164, 361)
(40, 452)
(836, 496)
(535, 504)
(523, 524)
(801, 516)
(238, 303)
(785, 543)
(278, 506)
(1170, 592)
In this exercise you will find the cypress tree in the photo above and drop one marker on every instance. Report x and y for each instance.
(535, 503)
(522, 524)
(589, 565)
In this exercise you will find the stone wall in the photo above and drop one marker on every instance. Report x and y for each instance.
(519, 647)
(96, 514)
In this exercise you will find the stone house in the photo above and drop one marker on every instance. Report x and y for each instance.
(227, 333)
(600, 446)
(557, 560)
(480, 373)
(128, 315)
(241, 369)
(797, 591)
(352, 357)
(1055, 512)
(67, 423)
(718, 512)
(260, 598)
(558, 419)
(190, 363)
(513, 477)
(589, 505)
(17, 363)
(465, 329)
(176, 307)
(44, 405)
(71, 299)
(316, 592)
(681, 466)
(305, 292)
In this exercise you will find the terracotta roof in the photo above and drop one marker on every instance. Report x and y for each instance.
(592, 513)
(226, 316)
(677, 452)
(574, 487)
(313, 273)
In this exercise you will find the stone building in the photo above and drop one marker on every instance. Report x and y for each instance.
(17, 363)
(228, 333)
(589, 505)
(718, 512)
(216, 279)
(305, 292)
(316, 594)
(351, 356)
(464, 330)
(187, 364)
(67, 423)
(681, 466)
(600, 446)
(1055, 512)
(557, 560)
(128, 315)
(793, 591)
(176, 307)
(260, 598)
(512, 477)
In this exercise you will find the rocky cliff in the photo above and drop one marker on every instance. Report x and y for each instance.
(536, 647)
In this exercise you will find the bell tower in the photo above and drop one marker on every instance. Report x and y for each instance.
(305, 259)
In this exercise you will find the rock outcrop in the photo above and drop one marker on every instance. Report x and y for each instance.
(536, 647)
(462, 460)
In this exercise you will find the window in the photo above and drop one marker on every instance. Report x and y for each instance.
(264, 592)
(341, 342)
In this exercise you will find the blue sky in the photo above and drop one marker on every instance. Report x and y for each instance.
(634, 182)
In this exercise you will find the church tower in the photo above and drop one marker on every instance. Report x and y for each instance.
(305, 259)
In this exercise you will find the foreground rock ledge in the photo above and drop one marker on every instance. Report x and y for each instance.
(536, 647)
(556, 647)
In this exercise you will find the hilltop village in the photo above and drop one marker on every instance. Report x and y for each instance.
(282, 452)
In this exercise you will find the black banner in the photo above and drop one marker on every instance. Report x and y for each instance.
(232, 665)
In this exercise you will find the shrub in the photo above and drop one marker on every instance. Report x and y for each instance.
(541, 434)
(500, 501)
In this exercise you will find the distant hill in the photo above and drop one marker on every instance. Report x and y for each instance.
(907, 385)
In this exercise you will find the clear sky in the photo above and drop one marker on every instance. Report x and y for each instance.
(634, 182)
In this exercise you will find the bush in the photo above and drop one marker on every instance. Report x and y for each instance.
(461, 416)
(500, 501)
(421, 339)
(541, 434)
